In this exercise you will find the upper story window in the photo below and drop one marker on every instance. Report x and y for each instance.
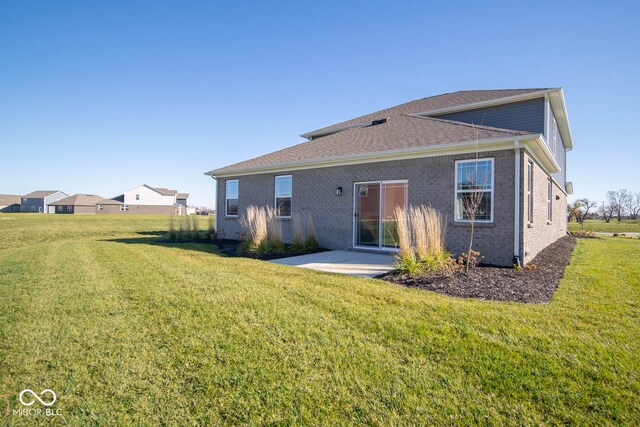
(474, 190)
(137, 197)
(283, 193)
(24, 200)
(530, 192)
(231, 198)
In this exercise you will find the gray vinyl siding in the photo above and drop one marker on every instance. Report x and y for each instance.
(556, 145)
(32, 205)
(526, 116)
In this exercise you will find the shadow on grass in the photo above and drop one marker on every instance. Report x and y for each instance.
(159, 238)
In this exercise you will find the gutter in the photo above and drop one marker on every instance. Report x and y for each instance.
(535, 143)
(516, 223)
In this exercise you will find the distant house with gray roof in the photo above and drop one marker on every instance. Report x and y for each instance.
(77, 204)
(350, 176)
(10, 203)
(145, 199)
(39, 201)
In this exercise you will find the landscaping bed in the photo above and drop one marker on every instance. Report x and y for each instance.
(499, 283)
(233, 248)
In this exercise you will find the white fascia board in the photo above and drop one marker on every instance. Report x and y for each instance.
(487, 103)
(559, 106)
(535, 141)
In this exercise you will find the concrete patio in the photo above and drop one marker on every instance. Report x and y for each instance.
(361, 264)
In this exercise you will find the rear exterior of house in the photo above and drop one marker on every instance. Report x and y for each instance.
(350, 177)
(77, 204)
(39, 201)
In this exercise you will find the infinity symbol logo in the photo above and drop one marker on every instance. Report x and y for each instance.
(35, 396)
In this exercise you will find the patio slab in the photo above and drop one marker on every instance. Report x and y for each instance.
(361, 264)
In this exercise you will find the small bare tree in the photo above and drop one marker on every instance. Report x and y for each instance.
(584, 206)
(618, 200)
(607, 210)
(633, 205)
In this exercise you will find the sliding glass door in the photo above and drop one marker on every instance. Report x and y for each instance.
(374, 218)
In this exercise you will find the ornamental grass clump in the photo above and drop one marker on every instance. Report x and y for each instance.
(421, 231)
(263, 233)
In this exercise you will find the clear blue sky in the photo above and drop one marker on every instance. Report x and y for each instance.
(98, 97)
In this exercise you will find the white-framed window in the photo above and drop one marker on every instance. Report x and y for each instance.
(100, 207)
(231, 198)
(283, 193)
(24, 200)
(549, 200)
(530, 192)
(137, 197)
(59, 208)
(124, 208)
(69, 208)
(474, 188)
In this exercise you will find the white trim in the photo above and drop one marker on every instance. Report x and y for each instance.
(529, 192)
(516, 222)
(549, 200)
(227, 198)
(354, 222)
(275, 196)
(535, 142)
(559, 108)
(456, 191)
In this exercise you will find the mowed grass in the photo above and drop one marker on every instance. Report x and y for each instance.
(130, 332)
(624, 226)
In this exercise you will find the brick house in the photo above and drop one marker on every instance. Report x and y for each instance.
(77, 204)
(350, 176)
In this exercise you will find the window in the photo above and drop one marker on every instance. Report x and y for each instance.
(549, 199)
(69, 208)
(283, 196)
(137, 197)
(100, 207)
(33, 208)
(231, 198)
(59, 208)
(124, 208)
(24, 200)
(474, 190)
(530, 192)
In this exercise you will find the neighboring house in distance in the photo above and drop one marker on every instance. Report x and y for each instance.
(77, 204)
(39, 201)
(143, 199)
(350, 176)
(9, 203)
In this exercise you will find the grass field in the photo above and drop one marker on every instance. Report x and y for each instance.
(624, 226)
(130, 332)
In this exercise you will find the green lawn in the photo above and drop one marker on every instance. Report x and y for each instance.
(624, 226)
(130, 332)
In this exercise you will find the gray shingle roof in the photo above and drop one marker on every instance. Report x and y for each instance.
(40, 194)
(166, 191)
(400, 132)
(9, 199)
(182, 195)
(77, 200)
(403, 129)
(438, 102)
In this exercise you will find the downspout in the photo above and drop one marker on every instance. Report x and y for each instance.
(216, 203)
(516, 223)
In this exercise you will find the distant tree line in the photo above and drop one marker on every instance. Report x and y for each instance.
(619, 204)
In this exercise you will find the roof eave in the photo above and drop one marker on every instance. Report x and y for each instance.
(415, 152)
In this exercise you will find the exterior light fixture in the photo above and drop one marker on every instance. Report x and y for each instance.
(339, 191)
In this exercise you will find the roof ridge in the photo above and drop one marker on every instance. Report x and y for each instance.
(471, 125)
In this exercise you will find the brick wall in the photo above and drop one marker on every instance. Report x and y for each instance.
(541, 233)
(139, 210)
(430, 181)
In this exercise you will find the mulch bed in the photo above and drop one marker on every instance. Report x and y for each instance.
(500, 283)
(231, 248)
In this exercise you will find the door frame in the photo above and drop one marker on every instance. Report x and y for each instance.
(354, 222)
